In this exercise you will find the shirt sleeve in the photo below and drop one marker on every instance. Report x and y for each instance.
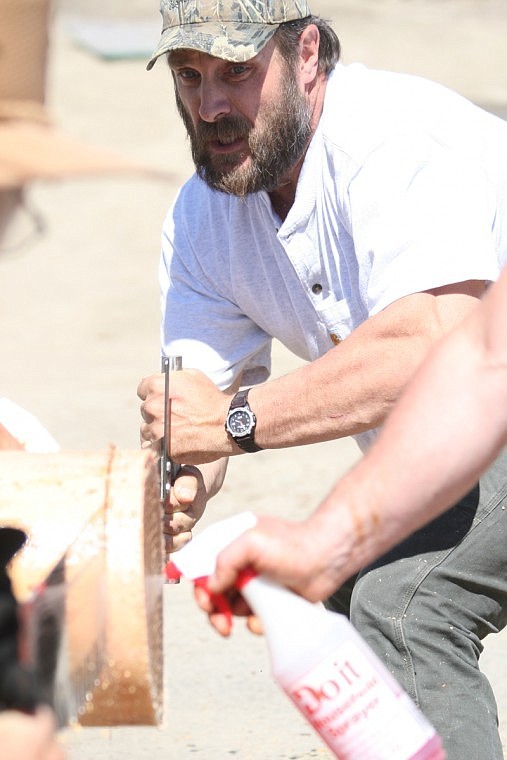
(422, 217)
(200, 320)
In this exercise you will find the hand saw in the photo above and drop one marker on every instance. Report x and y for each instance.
(168, 468)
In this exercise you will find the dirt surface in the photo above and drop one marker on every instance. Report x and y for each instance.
(80, 326)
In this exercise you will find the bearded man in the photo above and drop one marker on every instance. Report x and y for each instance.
(356, 216)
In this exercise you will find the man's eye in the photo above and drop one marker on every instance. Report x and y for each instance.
(238, 70)
(187, 74)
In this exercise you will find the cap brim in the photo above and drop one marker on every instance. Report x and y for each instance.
(232, 42)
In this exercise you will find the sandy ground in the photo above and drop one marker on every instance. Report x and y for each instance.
(79, 327)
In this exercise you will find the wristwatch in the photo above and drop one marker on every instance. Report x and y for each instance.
(241, 422)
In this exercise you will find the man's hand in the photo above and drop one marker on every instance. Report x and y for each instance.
(301, 556)
(29, 737)
(185, 506)
(198, 413)
(192, 490)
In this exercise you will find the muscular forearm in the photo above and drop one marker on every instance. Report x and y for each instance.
(448, 426)
(354, 386)
(346, 391)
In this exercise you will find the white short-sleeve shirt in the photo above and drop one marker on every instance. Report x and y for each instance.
(403, 188)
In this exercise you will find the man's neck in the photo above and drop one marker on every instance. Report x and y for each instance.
(283, 196)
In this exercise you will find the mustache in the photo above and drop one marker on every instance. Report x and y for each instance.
(226, 129)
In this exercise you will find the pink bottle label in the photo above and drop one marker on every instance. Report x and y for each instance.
(359, 710)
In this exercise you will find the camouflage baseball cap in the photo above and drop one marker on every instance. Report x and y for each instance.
(235, 30)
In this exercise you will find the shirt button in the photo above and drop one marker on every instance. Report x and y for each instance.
(335, 338)
(317, 289)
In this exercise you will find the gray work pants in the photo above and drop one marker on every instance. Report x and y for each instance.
(425, 607)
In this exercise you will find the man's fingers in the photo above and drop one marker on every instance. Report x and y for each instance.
(175, 543)
(203, 599)
(150, 384)
(219, 620)
(186, 485)
(223, 622)
(177, 522)
(254, 625)
(151, 432)
(151, 392)
(234, 558)
(141, 393)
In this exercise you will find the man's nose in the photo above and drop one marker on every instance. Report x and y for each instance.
(213, 104)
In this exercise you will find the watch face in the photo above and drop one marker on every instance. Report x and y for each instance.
(240, 422)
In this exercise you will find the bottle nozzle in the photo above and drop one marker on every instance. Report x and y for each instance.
(172, 574)
(197, 559)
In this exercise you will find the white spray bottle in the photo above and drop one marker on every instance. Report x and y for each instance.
(321, 662)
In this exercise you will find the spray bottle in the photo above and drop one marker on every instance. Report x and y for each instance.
(321, 662)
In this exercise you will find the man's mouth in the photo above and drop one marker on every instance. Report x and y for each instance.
(227, 144)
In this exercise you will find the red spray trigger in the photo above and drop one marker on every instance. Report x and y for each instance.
(220, 601)
(244, 576)
(196, 560)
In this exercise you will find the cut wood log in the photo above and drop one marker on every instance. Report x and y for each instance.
(90, 579)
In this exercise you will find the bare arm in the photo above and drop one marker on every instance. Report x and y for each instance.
(448, 426)
(353, 387)
(348, 390)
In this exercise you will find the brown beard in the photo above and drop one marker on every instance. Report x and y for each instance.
(276, 144)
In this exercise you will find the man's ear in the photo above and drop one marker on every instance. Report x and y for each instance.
(309, 53)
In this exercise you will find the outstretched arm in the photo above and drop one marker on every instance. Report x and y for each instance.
(446, 429)
(349, 389)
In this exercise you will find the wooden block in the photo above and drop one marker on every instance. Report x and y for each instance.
(90, 577)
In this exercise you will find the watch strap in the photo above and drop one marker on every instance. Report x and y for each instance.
(246, 442)
(240, 399)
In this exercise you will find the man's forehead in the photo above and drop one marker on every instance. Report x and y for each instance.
(183, 55)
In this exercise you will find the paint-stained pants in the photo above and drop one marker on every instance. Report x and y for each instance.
(426, 606)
